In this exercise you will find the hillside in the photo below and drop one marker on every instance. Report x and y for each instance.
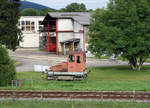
(27, 4)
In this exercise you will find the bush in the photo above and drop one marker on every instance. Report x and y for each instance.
(7, 68)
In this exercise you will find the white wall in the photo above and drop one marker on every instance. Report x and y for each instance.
(77, 26)
(65, 24)
(31, 38)
(79, 36)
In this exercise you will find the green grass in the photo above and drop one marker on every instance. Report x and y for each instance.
(71, 104)
(112, 78)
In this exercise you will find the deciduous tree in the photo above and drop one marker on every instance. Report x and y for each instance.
(30, 12)
(123, 28)
(74, 7)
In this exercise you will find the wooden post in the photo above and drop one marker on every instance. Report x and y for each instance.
(64, 49)
(73, 45)
(101, 96)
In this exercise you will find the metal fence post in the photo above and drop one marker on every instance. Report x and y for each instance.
(41, 96)
(102, 96)
(134, 95)
(13, 90)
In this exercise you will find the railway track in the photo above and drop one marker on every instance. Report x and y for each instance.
(75, 95)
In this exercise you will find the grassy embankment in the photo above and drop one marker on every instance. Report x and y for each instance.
(112, 78)
(71, 104)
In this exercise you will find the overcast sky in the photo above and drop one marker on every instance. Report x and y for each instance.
(57, 4)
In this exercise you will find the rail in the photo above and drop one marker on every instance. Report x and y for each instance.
(75, 95)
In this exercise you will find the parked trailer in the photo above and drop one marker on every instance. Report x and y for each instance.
(73, 69)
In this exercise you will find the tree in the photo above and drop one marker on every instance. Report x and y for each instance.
(34, 12)
(7, 68)
(123, 28)
(10, 34)
(62, 10)
(74, 7)
(44, 11)
(90, 10)
(30, 12)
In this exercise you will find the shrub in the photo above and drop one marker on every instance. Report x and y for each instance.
(7, 68)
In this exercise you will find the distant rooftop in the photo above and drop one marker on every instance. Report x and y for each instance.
(81, 17)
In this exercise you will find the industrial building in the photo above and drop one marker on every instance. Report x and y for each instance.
(56, 32)
(65, 31)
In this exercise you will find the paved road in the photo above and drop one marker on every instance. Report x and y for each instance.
(30, 57)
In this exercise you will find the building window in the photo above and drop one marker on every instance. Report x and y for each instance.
(22, 22)
(32, 26)
(40, 25)
(32, 23)
(40, 22)
(27, 28)
(78, 59)
(27, 25)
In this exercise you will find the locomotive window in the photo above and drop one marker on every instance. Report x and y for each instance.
(71, 58)
(78, 59)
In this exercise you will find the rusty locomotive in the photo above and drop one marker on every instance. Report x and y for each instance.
(73, 69)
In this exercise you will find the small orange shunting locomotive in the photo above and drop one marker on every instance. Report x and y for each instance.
(73, 69)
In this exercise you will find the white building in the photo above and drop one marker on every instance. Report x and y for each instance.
(66, 31)
(30, 26)
(62, 31)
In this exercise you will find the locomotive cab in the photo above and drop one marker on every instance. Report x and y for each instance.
(76, 61)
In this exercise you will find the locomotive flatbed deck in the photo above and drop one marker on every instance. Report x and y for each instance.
(67, 75)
